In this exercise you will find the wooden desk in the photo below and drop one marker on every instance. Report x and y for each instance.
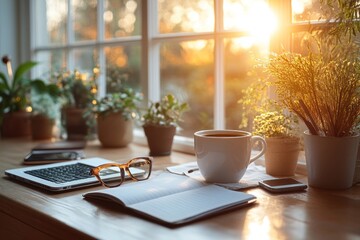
(27, 212)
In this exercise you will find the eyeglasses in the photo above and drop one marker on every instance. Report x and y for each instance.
(113, 174)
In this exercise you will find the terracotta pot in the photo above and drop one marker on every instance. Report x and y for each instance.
(16, 124)
(281, 156)
(114, 130)
(75, 124)
(331, 161)
(42, 127)
(160, 139)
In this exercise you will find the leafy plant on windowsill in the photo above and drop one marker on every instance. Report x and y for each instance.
(45, 99)
(166, 112)
(14, 87)
(159, 123)
(77, 89)
(125, 101)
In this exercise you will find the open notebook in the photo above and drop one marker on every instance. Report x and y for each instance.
(173, 199)
(61, 176)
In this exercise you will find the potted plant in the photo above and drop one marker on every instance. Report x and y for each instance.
(270, 119)
(160, 121)
(323, 88)
(78, 91)
(14, 119)
(45, 109)
(114, 114)
(280, 132)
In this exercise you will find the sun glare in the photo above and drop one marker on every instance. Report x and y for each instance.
(261, 21)
(254, 17)
(298, 6)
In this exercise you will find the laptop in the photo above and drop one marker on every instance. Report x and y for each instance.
(62, 176)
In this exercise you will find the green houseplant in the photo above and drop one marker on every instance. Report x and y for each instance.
(114, 114)
(45, 108)
(14, 88)
(160, 121)
(78, 91)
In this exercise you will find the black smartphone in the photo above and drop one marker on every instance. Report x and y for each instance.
(280, 185)
(42, 157)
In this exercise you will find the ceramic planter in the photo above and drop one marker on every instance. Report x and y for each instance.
(42, 127)
(281, 156)
(114, 130)
(16, 124)
(330, 161)
(75, 123)
(160, 139)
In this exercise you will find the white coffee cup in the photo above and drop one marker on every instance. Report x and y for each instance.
(223, 155)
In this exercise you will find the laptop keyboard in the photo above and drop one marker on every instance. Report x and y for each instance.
(63, 174)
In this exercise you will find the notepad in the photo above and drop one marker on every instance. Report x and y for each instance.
(173, 199)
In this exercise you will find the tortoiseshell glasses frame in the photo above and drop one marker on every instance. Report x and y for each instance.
(113, 174)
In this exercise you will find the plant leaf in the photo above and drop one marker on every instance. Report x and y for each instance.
(4, 80)
(23, 68)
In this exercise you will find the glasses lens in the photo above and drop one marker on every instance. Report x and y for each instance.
(140, 168)
(111, 176)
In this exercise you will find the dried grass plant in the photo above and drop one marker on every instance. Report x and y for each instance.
(322, 88)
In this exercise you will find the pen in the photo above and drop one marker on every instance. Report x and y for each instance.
(193, 170)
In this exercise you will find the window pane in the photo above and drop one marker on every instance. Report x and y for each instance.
(122, 18)
(307, 10)
(85, 59)
(123, 67)
(56, 13)
(253, 17)
(50, 61)
(84, 19)
(241, 55)
(187, 71)
(51, 17)
(185, 16)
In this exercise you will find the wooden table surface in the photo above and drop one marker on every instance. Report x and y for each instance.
(27, 212)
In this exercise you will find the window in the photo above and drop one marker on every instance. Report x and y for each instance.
(200, 50)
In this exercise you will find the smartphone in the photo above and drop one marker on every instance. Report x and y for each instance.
(42, 157)
(280, 185)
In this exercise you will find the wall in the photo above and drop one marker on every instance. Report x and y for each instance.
(14, 31)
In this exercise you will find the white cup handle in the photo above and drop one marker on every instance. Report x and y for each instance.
(263, 147)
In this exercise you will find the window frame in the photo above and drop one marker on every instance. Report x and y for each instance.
(150, 41)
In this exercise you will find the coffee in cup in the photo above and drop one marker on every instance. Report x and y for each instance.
(223, 155)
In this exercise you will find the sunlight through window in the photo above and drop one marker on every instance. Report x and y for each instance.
(254, 17)
(298, 6)
(187, 16)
